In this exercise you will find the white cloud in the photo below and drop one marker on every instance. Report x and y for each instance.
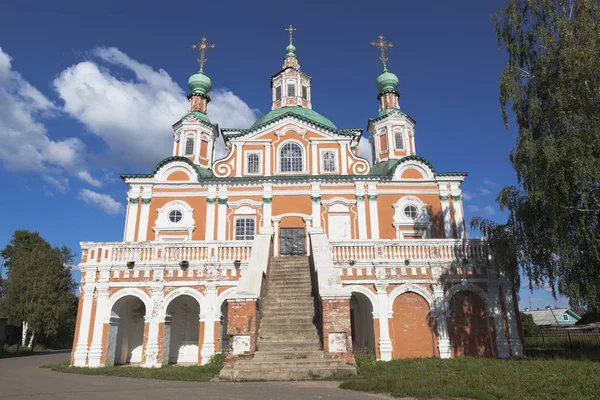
(102, 201)
(473, 209)
(483, 191)
(25, 145)
(467, 195)
(489, 210)
(490, 183)
(364, 149)
(134, 117)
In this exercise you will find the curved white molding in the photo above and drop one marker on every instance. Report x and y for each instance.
(180, 292)
(413, 164)
(175, 166)
(280, 216)
(221, 168)
(164, 224)
(402, 220)
(245, 203)
(364, 291)
(286, 129)
(338, 200)
(226, 295)
(140, 294)
(469, 287)
(409, 287)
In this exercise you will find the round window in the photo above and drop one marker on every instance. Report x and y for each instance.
(175, 216)
(411, 211)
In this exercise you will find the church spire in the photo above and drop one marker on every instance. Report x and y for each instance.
(291, 61)
(387, 82)
(199, 83)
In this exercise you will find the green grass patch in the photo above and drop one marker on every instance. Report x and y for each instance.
(194, 373)
(480, 378)
(18, 351)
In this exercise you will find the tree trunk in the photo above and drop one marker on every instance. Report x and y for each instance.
(24, 334)
(31, 340)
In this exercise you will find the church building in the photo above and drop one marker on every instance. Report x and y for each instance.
(292, 250)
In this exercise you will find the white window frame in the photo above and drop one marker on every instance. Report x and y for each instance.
(302, 90)
(287, 89)
(185, 149)
(235, 221)
(247, 154)
(279, 164)
(335, 159)
(399, 132)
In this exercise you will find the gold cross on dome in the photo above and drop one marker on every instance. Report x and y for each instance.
(202, 46)
(383, 46)
(291, 30)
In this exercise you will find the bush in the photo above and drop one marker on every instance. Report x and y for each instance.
(364, 357)
(217, 359)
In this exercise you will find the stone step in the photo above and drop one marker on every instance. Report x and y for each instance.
(288, 299)
(284, 363)
(293, 355)
(292, 312)
(251, 373)
(289, 277)
(284, 308)
(282, 323)
(287, 346)
(289, 285)
(285, 331)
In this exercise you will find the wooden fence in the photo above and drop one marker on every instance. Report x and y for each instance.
(564, 338)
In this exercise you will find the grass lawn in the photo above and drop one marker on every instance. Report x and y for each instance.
(481, 378)
(18, 351)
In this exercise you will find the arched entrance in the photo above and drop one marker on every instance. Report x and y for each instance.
(183, 314)
(414, 330)
(223, 335)
(468, 328)
(126, 332)
(361, 323)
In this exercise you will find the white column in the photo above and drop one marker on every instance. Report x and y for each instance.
(197, 144)
(132, 211)
(276, 236)
(209, 151)
(315, 197)
(175, 141)
(361, 211)
(385, 344)
(496, 311)
(222, 213)
(444, 200)
(81, 349)
(441, 315)
(211, 199)
(208, 315)
(145, 214)
(315, 159)
(267, 210)
(153, 321)
(516, 347)
(101, 312)
(267, 171)
(343, 158)
(373, 211)
(238, 159)
(459, 218)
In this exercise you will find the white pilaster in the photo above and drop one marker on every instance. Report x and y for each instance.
(344, 158)
(95, 353)
(211, 199)
(445, 202)
(267, 159)
(361, 211)
(276, 236)
(373, 210)
(197, 144)
(385, 344)
(441, 314)
(314, 158)
(132, 211)
(208, 315)
(267, 208)
(153, 321)
(222, 213)
(459, 218)
(315, 196)
(145, 214)
(238, 159)
(501, 340)
(81, 349)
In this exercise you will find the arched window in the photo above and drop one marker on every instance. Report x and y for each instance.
(399, 140)
(189, 147)
(290, 158)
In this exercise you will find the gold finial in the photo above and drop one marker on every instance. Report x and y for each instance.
(383, 46)
(202, 46)
(291, 30)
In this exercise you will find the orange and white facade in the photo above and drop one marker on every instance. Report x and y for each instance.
(393, 269)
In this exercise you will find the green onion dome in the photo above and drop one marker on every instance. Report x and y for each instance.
(199, 83)
(291, 50)
(386, 82)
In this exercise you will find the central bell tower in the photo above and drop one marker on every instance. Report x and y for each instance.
(290, 86)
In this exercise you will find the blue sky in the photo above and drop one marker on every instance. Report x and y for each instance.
(90, 89)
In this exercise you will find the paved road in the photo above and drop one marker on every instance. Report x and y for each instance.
(21, 378)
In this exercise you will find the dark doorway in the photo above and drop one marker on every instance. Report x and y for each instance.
(292, 242)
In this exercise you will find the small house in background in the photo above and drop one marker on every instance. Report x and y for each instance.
(553, 317)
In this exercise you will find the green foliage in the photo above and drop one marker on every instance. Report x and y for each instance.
(529, 327)
(551, 82)
(218, 359)
(480, 378)
(39, 288)
(364, 357)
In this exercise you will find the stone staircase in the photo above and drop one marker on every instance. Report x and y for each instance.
(288, 343)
